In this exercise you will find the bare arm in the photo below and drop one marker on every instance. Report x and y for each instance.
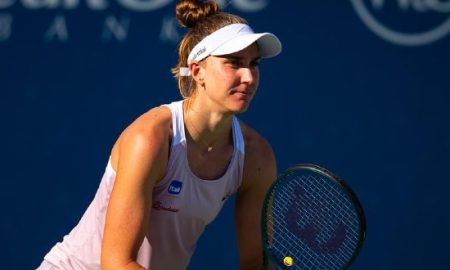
(140, 158)
(259, 174)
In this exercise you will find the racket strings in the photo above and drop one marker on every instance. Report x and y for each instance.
(319, 209)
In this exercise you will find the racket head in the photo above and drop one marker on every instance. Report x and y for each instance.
(311, 219)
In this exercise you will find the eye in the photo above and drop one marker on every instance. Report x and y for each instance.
(255, 63)
(235, 63)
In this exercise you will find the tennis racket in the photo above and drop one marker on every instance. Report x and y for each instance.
(311, 219)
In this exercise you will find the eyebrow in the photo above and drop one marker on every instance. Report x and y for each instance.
(232, 57)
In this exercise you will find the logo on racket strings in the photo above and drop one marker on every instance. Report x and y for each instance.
(310, 233)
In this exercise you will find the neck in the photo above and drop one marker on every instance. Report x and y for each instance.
(209, 129)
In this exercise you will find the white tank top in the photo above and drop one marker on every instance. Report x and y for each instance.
(182, 206)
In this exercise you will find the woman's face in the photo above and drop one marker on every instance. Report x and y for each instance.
(231, 80)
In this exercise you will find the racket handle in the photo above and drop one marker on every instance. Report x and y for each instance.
(265, 262)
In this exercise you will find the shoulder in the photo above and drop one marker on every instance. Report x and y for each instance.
(260, 162)
(159, 117)
(151, 130)
(255, 143)
(156, 122)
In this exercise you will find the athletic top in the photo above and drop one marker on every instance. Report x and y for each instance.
(182, 206)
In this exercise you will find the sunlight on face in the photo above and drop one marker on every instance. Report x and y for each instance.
(232, 80)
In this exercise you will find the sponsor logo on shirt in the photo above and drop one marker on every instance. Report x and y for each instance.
(175, 187)
(158, 205)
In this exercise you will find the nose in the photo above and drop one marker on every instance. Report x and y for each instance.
(249, 75)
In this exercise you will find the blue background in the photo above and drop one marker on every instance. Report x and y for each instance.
(374, 112)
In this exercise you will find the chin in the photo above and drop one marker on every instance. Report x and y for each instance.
(240, 107)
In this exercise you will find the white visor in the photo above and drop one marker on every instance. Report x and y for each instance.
(230, 39)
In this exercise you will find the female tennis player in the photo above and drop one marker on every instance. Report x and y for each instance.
(172, 169)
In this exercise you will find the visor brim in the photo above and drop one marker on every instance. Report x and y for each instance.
(268, 44)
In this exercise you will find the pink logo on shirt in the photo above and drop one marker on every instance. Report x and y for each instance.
(158, 205)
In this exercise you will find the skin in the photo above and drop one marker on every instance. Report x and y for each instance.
(227, 85)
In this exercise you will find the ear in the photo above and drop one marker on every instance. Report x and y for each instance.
(197, 72)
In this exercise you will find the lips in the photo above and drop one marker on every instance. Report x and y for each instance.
(241, 94)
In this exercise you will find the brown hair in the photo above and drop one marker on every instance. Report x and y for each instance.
(202, 18)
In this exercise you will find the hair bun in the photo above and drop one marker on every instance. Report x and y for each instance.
(190, 12)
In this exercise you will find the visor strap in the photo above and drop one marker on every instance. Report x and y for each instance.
(184, 71)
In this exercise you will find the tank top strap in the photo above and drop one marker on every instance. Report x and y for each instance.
(238, 138)
(177, 121)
